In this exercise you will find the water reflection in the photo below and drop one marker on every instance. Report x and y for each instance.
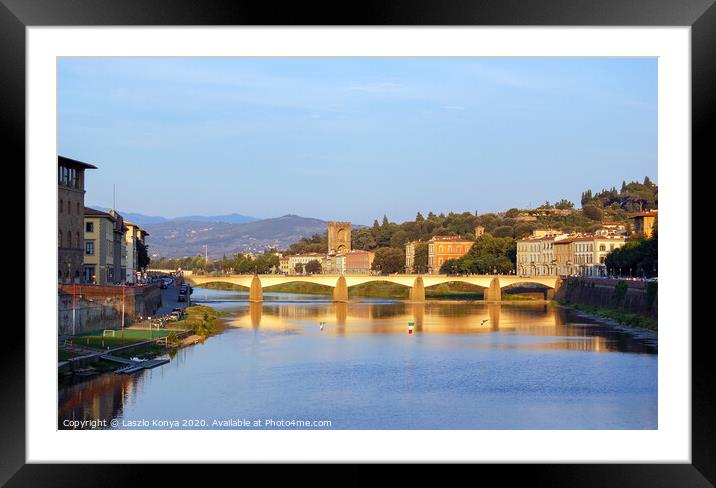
(276, 359)
(392, 317)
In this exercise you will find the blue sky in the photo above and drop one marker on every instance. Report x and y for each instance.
(354, 138)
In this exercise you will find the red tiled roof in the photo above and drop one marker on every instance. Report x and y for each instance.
(97, 213)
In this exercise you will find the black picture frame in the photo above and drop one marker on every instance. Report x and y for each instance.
(16, 15)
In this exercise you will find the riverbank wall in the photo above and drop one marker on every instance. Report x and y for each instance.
(100, 307)
(638, 297)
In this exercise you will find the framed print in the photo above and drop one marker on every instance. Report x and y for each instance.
(418, 234)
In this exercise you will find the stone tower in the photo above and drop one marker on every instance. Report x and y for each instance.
(339, 237)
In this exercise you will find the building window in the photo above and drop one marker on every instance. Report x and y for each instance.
(78, 208)
(69, 239)
(77, 239)
(59, 239)
(89, 248)
(88, 276)
(62, 206)
(89, 226)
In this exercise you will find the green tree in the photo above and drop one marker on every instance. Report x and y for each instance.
(399, 239)
(421, 258)
(363, 239)
(451, 267)
(143, 258)
(266, 263)
(503, 231)
(298, 268)
(564, 204)
(389, 260)
(523, 229)
(593, 212)
(640, 255)
(313, 267)
(489, 254)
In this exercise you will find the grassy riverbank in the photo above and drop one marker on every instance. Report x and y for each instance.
(198, 322)
(630, 319)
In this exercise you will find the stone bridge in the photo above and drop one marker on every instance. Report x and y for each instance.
(493, 284)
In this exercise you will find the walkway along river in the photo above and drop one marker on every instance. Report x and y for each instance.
(468, 365)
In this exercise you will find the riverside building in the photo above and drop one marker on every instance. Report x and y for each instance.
(70, 218)
(443, 248)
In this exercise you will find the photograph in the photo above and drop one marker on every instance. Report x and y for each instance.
(388, 243)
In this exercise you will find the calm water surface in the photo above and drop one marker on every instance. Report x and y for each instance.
(467, 366)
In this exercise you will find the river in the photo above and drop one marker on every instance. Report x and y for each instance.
(468, 365)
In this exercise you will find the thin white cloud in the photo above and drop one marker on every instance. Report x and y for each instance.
(383, 87)
(501, 76)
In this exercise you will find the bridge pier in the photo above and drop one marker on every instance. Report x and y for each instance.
(255, 311)
(417, 292)
(494, 292)
(340, 292)
(256, 294)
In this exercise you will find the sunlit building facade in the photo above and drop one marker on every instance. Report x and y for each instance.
(443, 248)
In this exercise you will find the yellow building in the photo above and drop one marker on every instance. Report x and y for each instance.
(133, 237)
(303, 260)
(590, 253)
(536, 253)
(645, 222)
(410, 256)
(283, 264)
(104, 248)
(564, 256)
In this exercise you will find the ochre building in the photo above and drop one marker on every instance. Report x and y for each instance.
(442, 248)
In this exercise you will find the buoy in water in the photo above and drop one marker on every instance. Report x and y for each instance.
(410, 327)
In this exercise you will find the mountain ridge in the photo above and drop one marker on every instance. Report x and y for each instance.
(142, 219)
(178, 238)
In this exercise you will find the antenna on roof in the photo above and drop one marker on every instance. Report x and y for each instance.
(114, 198)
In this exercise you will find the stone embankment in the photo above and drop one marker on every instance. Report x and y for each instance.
(638, 297)
(100, 307)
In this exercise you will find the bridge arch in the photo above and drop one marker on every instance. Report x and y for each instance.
(493, 284)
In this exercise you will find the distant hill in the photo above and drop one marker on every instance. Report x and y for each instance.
(233, 218)
(141, 219)
(177, 238)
